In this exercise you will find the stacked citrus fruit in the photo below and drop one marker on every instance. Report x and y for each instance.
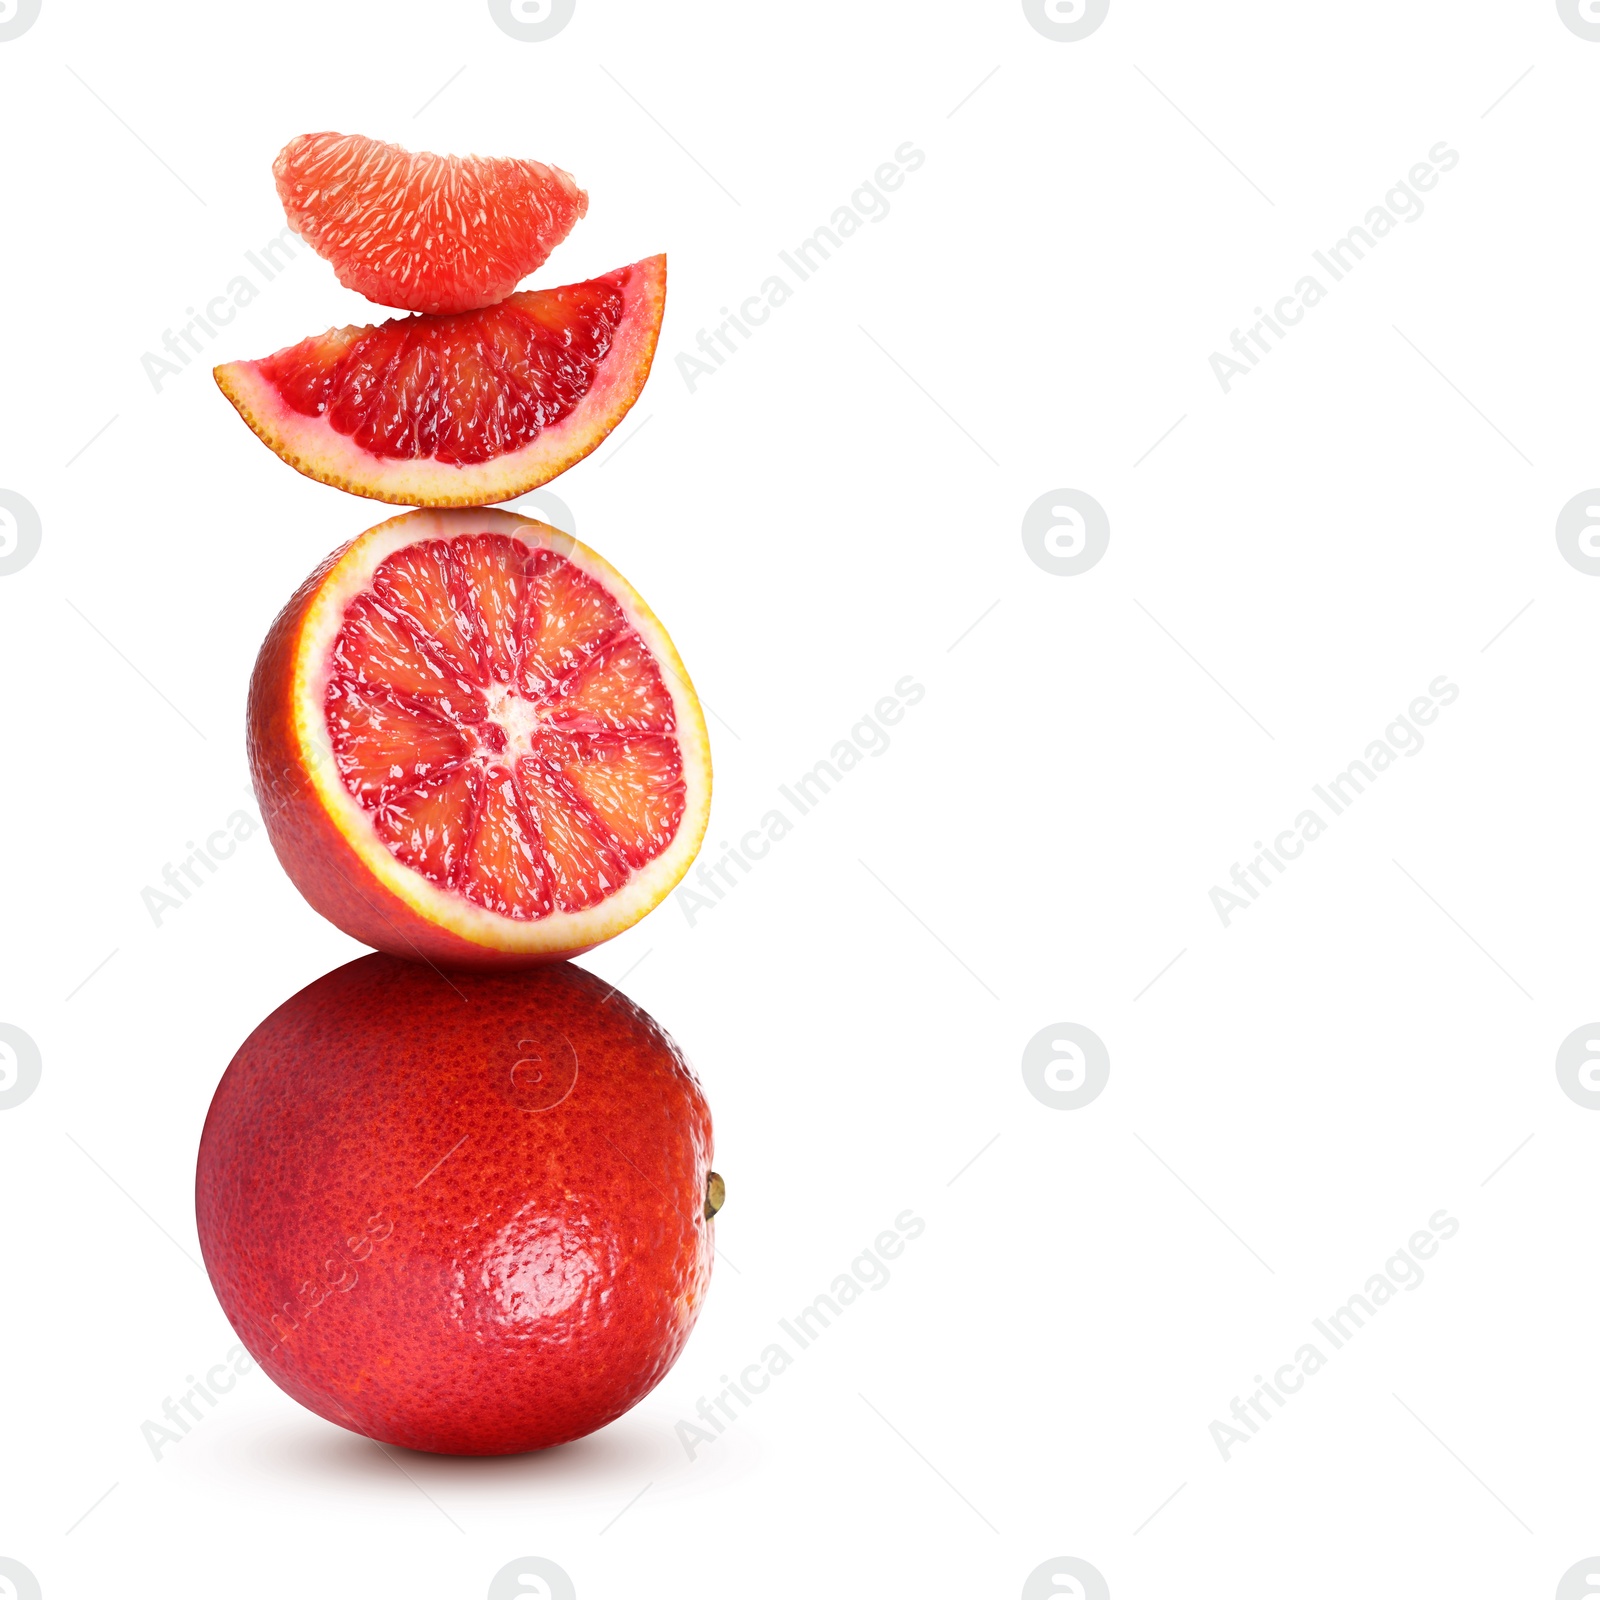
(457, 1196)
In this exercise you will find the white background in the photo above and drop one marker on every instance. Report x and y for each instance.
(1289, 567)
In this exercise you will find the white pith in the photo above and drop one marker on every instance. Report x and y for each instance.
(560, 931)
(518, 719)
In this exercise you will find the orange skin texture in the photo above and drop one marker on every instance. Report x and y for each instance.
(316, 855)
(462, 1215)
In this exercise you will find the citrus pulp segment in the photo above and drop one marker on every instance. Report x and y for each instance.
(420, 231)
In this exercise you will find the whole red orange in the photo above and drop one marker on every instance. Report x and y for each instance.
(467, 1213)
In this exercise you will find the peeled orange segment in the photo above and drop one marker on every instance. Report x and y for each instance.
(420, 231)
(473, 742)
(459, 410)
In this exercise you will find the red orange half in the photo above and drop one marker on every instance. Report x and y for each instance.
(475, 744)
